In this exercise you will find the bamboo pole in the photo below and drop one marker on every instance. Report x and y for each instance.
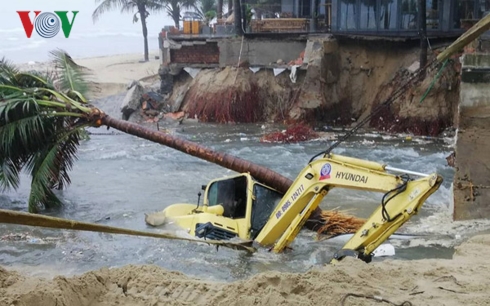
(14, 217)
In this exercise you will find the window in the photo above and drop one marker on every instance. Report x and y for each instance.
(409, 15)
(264, 204)
(483, 8)
(368, 14)
(231, 194)
(463, 10)
(387, 17)
(348, 14)
(305, 8)
(432, 13)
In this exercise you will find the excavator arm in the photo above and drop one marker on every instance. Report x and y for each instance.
(403, 196)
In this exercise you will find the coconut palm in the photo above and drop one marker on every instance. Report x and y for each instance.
(208, 10)
(140, 8)
(174, 8)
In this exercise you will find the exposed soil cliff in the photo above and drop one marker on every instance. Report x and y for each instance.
(234, 95)
(344, 81)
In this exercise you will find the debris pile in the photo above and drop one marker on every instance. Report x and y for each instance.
(296, 133)
(152, 106)
(338, 223)
(299, 61)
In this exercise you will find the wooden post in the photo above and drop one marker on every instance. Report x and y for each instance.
(423, 34)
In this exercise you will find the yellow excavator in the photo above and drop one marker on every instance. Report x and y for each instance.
(239, 206)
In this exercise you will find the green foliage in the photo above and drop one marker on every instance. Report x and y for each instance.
(126, 6)
(68, 74)
(40, 128)
(208, 10)
(174, 8)
(248, 13)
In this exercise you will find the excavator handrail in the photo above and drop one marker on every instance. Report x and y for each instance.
(399, 170)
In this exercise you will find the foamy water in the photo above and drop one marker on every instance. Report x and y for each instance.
(113, 33)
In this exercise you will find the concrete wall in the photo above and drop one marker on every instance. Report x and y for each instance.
(207, 53)
(472, 178)
(258, 52)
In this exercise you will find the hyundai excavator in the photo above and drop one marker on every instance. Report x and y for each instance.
(239, 206)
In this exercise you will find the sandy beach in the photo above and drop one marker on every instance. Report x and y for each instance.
(110, 74)
(462, 280)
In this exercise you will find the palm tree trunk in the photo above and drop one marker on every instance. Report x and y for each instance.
(142, 11)
(176, 18)
(262, 174)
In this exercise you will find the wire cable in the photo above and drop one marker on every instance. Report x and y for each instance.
(398, 92)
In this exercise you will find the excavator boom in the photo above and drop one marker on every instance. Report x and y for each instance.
(402, 199)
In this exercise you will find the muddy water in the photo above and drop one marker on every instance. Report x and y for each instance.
(118, 178)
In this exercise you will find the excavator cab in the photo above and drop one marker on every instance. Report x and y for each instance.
(236, 206)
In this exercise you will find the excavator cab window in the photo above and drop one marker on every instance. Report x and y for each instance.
(264, 204)
(231, 194)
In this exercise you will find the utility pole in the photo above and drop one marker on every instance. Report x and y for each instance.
(423, 34)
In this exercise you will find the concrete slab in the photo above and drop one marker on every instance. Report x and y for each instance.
(472, 178)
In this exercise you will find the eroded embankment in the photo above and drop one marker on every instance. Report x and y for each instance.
(235, 95)
(344, 82)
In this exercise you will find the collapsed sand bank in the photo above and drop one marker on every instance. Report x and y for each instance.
(462, 280)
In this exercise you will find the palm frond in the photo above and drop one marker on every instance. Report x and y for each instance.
(49, 169)
(128, 7)
(106, 6)
(7, 71)
(70, 76)
(40, 129)
(9, 174)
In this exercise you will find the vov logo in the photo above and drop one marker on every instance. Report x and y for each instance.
(47, 24)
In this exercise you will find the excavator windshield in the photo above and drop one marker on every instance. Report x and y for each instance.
(231, 194)
(263, 205)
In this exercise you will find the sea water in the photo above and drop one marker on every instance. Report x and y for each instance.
(118, 178)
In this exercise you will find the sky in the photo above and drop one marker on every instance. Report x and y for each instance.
(113, 33)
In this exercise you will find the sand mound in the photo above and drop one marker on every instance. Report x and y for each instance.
(462, 280)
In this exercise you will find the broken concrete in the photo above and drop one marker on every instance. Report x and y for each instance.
(166, 80)
(131, 101)
(472, 178)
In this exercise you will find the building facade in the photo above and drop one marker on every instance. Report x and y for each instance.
(389, 17)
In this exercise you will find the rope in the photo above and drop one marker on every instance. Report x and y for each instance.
(21, 218)
(439, 73)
